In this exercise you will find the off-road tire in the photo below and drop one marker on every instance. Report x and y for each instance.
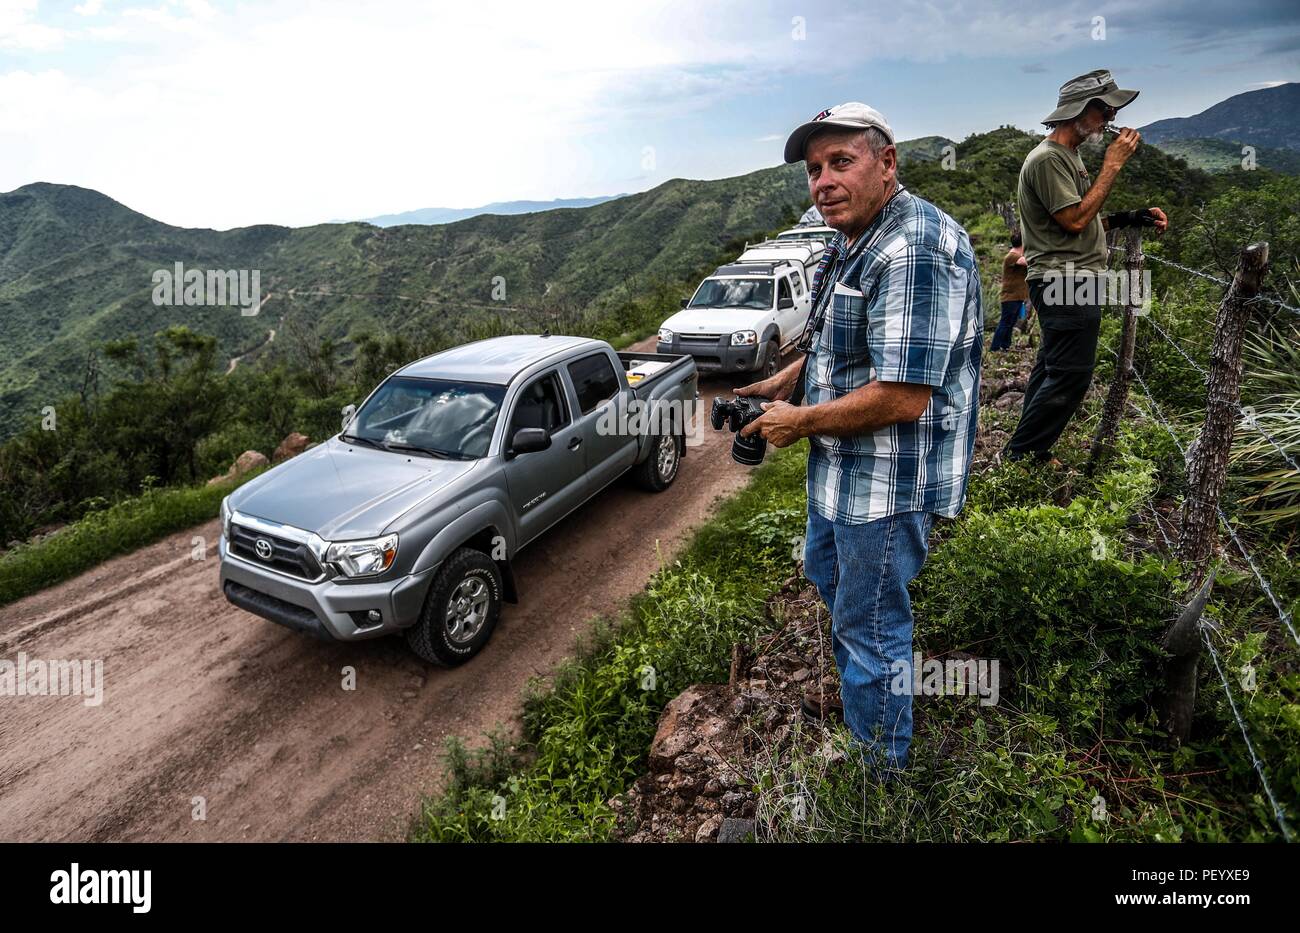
(466, 575)
(659, 469)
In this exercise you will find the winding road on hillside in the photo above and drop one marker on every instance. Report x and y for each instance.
(202, 700)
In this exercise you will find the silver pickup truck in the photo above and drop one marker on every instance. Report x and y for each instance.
(409, 519)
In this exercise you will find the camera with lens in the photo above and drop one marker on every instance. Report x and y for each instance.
(736, 413)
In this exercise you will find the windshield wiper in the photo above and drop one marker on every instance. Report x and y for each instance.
(394, 446)
(431, 451)
(358, 439)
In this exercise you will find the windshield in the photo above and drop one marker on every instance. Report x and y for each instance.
(733, 293)
(444, 417)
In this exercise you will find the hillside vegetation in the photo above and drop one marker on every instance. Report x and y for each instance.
(1219, 155)
(76, 272)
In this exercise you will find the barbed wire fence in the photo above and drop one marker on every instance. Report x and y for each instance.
(1196, 539)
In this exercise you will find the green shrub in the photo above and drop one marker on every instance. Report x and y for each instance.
(1047, 591)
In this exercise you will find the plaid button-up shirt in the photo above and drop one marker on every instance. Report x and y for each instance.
(903, 306)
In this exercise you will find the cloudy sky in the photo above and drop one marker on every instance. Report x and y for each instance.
(221, 114)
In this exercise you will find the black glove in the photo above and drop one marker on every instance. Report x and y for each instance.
(1142, 218)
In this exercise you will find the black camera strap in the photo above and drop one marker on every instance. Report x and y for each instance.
(796, 396)
(816, 318)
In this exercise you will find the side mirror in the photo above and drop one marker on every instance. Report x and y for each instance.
(685, 302)
(785, 302)
(349, 412)
(527, 441)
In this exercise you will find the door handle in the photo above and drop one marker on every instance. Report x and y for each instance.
(575, 442)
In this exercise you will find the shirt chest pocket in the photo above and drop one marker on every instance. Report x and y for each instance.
(845, 333)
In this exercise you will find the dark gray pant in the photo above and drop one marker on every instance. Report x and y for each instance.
(1061, 374)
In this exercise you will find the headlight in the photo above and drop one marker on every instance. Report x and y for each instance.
(363, 558)
(665, 335)
(743, 337)
(225, 517)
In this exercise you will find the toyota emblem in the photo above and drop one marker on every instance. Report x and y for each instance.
(263, 548)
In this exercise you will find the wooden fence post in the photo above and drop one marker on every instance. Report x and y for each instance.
(1207, 468)
(1207, 459)
(1183, 643)
(1117, 397)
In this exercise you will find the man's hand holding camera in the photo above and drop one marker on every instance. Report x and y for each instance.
(781, 423)
(861, 411)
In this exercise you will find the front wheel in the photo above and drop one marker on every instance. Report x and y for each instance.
(659, 469)
(461, 610)
(773, 361)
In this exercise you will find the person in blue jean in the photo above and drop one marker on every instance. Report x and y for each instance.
(1015, 292)
(887, 394)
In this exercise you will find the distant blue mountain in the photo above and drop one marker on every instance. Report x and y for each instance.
(446, 215)
(1266, 117)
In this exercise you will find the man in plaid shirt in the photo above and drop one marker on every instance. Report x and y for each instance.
(888, 397)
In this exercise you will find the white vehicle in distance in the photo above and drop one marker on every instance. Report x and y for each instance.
(819, 232)
(743, 315)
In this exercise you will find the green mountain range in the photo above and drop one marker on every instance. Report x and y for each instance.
(1266, 120)
(77, 268)
(1269, 118)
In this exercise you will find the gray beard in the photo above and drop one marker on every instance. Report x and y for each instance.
(1089, 138)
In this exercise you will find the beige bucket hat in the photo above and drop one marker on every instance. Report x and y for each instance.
(1095, 85)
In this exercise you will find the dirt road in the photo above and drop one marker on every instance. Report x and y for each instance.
(202, 700)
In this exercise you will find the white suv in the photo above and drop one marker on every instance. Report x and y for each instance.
(744, 314)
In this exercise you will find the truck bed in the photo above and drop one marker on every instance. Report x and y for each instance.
(678, 367)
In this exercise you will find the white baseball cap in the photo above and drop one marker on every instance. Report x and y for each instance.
(850, 116)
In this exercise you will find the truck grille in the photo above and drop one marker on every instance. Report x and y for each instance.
(706, 348)
(288, 557)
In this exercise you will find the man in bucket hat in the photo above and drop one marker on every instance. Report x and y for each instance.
(889, 385)
(1065, 246)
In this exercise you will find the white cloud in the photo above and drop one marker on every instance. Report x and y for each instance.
(290, 111)
(292, 114)
(19, 29)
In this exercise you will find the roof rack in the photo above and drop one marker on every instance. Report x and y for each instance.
(751, 266)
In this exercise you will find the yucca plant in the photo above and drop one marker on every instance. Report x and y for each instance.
(1273, 367)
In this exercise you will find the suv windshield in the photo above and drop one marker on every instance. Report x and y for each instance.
(733, 293)
(442, 417)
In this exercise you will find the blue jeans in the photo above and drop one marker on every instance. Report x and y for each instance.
(862, 572)
(1012, 311)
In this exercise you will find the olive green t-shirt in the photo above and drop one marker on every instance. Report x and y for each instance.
(1052, 178)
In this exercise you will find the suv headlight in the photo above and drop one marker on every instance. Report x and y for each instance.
(225, 517)
(363, 558)
(743, 337)
(665, 335)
